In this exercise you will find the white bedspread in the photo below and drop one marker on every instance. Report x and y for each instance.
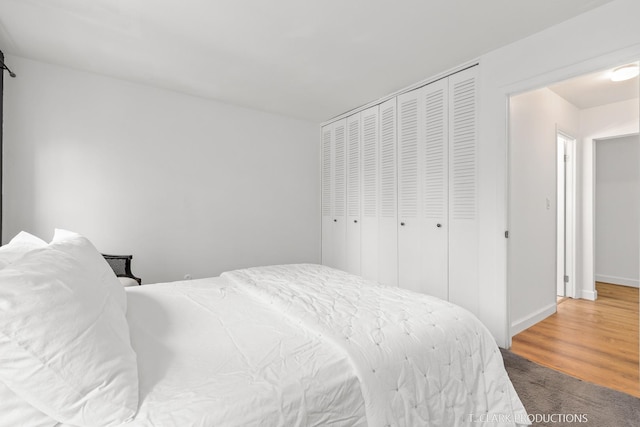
(210, 356)
(421, 361)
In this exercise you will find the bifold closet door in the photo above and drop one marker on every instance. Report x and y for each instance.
(353, 206)
(463, 206)
(334, 194)
(388, 195)
(410, 229)
(370, 194)
(434, 189)
(423, 221)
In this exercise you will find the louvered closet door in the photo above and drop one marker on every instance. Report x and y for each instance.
(353, 175)
(339, 194)
(434, 190)
(327, 194)
(410, 230)
(463, 204)
(370, 189)
(423, 221)
(388, 195)
(334, 195)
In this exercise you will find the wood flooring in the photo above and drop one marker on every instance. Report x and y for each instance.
(596, 341)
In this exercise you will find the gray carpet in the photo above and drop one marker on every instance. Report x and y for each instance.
(545, 391)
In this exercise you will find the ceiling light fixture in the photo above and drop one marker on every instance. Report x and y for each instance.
(625, 72)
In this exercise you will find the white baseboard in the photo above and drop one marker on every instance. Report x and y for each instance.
(589, 295)
(624, 281)
(530, 320)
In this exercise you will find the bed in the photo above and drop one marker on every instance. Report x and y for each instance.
(289, 345)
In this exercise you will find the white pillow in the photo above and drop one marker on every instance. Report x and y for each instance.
(16, 411)
(22, 243)
(82, 249)
(64, 338)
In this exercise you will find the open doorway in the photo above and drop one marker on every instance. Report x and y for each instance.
(616, 210)
(552, 244)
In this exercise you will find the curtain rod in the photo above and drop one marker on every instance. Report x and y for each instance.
(4, 67)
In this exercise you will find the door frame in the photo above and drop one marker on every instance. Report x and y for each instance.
(566, 215)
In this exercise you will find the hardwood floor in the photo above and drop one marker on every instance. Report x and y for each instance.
(596, 341)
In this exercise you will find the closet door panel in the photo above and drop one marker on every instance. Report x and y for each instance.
(410, 230)
(327, 194)
(339, 195)
(334, 195)
(370, 193)
(434, 191)
(463, 229)
(388, 196)
(353, 204)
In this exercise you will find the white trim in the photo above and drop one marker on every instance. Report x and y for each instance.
(591, 65)
(527, 322)
(406, 89)
(561, 287)
(588, 295)
(589, 256)
(616, 280)
(571, 213)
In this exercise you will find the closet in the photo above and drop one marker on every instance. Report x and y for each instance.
(405, 171)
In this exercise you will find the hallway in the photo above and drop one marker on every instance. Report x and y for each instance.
(596, 341)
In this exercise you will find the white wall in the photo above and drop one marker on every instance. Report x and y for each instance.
(611, 120)
(617, 215)
(592, 41)
(535, 118)
(186, 185)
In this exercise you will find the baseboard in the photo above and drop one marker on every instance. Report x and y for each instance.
(624, 281)
(526, 322)
(589, 295)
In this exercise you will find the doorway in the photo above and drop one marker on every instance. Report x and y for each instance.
(550, 218)
(616, 210)
(546, 127)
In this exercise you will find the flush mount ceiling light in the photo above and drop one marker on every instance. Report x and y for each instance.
(625, 72)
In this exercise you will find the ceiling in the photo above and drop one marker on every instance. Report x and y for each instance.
(310, 59)
(593, 90)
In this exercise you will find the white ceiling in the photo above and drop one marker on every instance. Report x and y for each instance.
(311, 59)
(593, 90)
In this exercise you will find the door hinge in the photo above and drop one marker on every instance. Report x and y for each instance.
(566, 158)
(506, 234)
(566, 279)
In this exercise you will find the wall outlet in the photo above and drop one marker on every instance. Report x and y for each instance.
(188, 276)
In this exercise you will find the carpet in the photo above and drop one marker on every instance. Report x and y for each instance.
(554, 399)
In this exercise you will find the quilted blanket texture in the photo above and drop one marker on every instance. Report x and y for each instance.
(420, 360)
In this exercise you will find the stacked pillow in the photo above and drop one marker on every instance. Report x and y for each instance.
(65, 352)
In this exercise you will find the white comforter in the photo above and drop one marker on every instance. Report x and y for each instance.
(306, 345)
(420, 360)
(210, 356)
